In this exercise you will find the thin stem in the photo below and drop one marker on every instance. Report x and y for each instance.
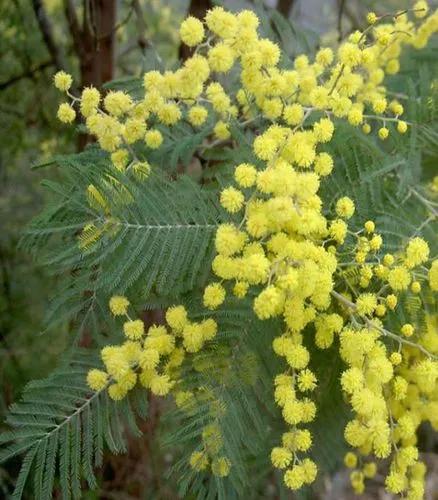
(427, 203)
(382, 330)
(384, 118)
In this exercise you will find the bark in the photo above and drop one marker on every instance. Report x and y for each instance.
(93, 42)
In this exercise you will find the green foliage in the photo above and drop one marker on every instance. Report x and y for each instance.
(164, 228)
(153, 237)
(60, 425)
(235, 375)
(153, 240)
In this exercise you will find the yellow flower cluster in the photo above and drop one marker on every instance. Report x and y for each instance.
(279, 241)
(345, 84)
(390, 403)
(211, 454)
(391, 393)
(152, 358)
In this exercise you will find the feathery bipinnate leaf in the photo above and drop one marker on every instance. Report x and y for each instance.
(154, 236)
(61, 428)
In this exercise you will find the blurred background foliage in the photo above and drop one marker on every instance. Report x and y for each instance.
(98, 41)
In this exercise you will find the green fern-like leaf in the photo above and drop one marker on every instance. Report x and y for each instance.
(61, 428)
(153, 236)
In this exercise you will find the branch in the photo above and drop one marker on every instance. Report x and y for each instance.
(74, 27)
(27, 74)
(141, 25)
(47, 32)
(382, 330)
(340, 14)
(429, 204)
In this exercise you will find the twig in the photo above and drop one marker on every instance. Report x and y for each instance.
(429, 204)
(142, 41)
(47, 32)
(74, 27)
(27, 74)
(340, 14)
(382, 330)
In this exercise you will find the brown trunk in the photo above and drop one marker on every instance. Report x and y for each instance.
(197, 8)
(97, 61)
(93, 43)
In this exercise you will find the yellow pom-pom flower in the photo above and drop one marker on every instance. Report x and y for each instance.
(433, 276)
(176, 318)
(294, 478)
(232, 199)
(97, 379)
(281, 457)
(117, 102)
(369, 226)
(118, 305)
(199, 460)
(153, 139)
(417, 252)
(371, 18)
(66, 113)
(197, 115)
(191, 31)
(407, 330)
(399, 278)
(350, 460)
(345, 207)
(383, 133)
(421, 8)
(220, 467)
(134, 330)
(90, 98)
(402, 127)
(245, 175)
(221, 58)
(214, 295)
(62, 81)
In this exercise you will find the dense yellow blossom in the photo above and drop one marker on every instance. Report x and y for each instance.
(153, 139)
(90, 99)
(232, 199)
(134, 329)
(197, 115)
(399, 278)
(279, 244)
(417, 252)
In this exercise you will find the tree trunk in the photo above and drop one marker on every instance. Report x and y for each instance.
(97, 58)
(93, 43)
